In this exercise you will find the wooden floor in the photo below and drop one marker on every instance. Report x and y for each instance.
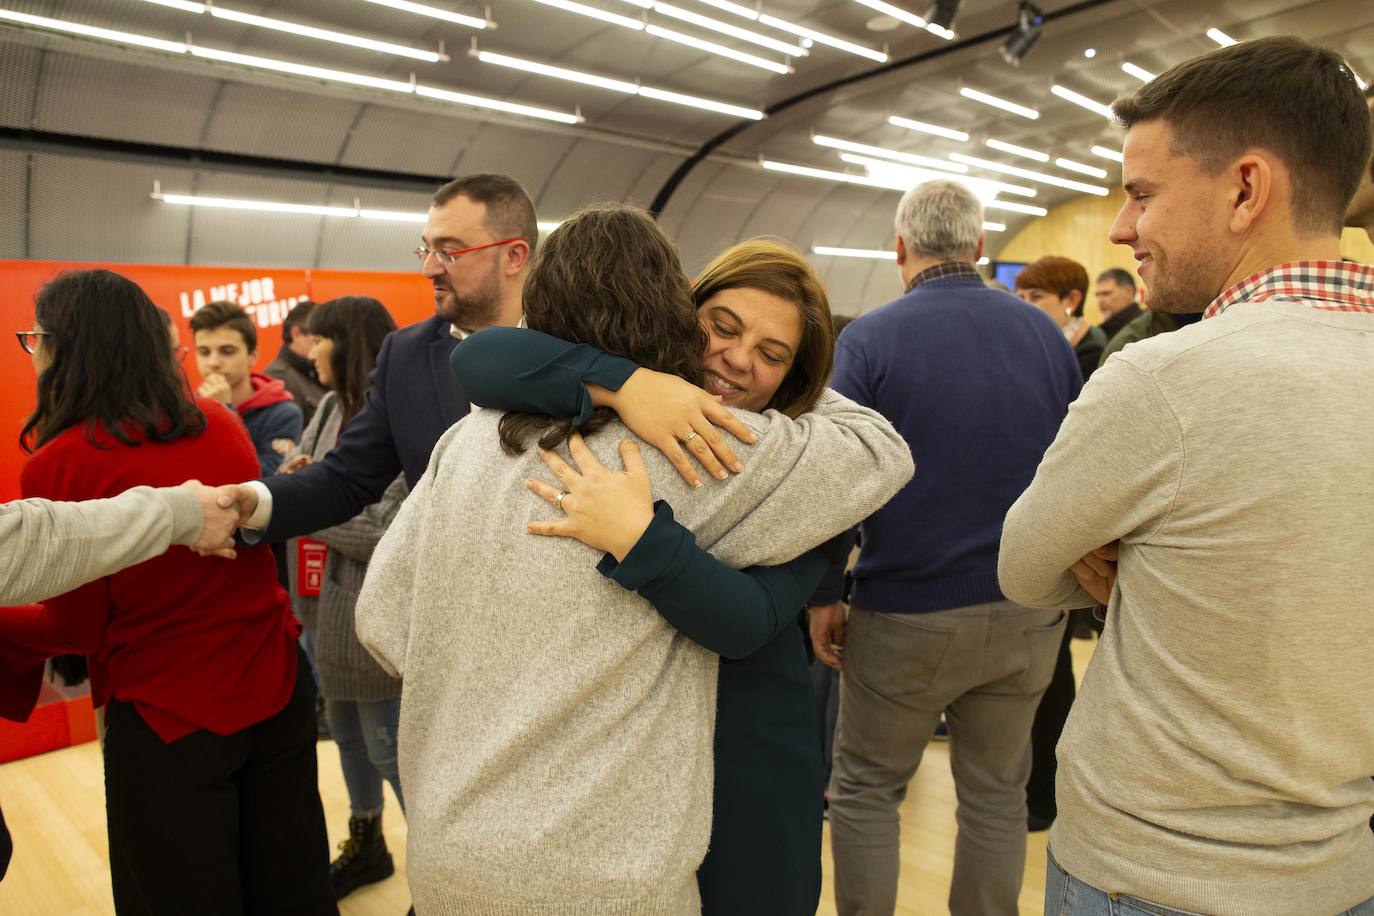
(55, 806)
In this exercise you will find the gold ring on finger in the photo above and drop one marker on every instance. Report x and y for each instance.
(559, 500)
(689, 437)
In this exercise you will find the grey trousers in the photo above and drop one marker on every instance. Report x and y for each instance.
(984, 667)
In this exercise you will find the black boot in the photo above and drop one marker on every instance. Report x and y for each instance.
(363, 858)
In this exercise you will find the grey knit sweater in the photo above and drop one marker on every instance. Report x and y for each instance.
(556, 732)
(1217, 759)
(347, 670)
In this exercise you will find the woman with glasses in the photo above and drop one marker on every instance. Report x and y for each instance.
(210, 767)
(362, 701)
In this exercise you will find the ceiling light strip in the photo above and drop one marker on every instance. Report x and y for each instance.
(994, 227)
(1015, 150)
(896, 12)
(1013, 207)
(1081, 168)
(1221, 38)
(749, 13)
(1139, 73)
(989, 99)
(433, 12)
(923, 127)
(617, 85)
(1082, 101)
(821, 38)
(271, 206)
(1105, 153)
(90, 31)
(874, 254)
(286, 66)
(909, 158)
(724, 28)
(1019, 172)
(581, 9)
(713, 48)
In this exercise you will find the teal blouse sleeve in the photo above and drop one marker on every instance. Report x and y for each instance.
(731, 612)
(528, 371)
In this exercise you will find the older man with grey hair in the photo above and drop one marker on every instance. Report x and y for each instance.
(977, 382)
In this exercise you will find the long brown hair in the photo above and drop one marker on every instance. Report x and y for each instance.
(608, 276)
(111, 366)
(357, 325)
(775, 267)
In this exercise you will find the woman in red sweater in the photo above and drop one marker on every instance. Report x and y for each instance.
(210, 769)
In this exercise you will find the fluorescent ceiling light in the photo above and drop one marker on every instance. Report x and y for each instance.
(896, 12)
(1139, 73)
(871, 253)
(548, 227)
(692, 101)
(983, 261)
(529, 66)
(1081, 168)
(940, 31)
(261, 206)
(615, 85)
(293, 28)
(569, 6)
(826, 174)
(1021, 151)
(925, 128)
(393, 216)
(433, 12)
(748, 13)
(713, 48)
(994, 227)
(286, 66)
(1221, 37)
(1014, 207)
(477, 101)
(1112, 154)
(995, 102)
(909, 158)
(1082, 100)
(90, 31)
(1027, 173)
(716, 25)
(902, 177)
(182, 5)
(819, 37)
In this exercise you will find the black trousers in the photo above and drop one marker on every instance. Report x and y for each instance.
(1049, 724)
(218, 825)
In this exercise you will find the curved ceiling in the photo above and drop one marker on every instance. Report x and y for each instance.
(89, 122)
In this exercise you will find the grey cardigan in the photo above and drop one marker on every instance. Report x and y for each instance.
(555, 731)
(347, 670)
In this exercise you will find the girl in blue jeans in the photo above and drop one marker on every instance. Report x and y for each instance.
(362, 702)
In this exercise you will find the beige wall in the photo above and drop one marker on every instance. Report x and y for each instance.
(1078, 230)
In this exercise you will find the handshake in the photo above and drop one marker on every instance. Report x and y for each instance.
(223, 509)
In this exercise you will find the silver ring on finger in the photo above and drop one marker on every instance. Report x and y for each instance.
(558, 501)
(689, 437)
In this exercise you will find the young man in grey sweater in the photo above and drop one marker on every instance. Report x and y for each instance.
(1218, 758)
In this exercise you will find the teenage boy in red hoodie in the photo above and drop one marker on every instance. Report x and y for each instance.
(226, 348)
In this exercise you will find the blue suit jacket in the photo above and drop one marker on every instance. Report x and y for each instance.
(413, 400)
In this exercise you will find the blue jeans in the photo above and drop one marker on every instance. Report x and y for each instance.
(1065, 895)
(366, 735)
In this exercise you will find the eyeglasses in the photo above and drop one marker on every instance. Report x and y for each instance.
(449, 255)
(29, 339)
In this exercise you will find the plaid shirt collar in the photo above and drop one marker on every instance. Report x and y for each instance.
(1335, 286)
(947, 269)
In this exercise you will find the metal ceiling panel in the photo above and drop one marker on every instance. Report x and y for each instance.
(274, 122)
(651, 179)
(103, 98)
(238, 237)
(526, 157)
(19, 72)
(92, 210)
(360, 244)
(407, 141)
(14, 204)
(590, 172)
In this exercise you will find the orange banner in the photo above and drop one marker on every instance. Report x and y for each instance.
(266, 293)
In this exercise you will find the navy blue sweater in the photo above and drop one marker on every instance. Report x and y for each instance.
(977, 382)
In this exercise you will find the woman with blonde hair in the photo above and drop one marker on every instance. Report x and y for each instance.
(770, 346)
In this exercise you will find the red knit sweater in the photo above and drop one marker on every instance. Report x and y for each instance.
(192, 642)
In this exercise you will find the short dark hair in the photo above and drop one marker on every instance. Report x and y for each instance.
(298, 317)
(510, 212)
(356, 325)
(1281, 94)
(110, 368)
(610, 277)
(226, 315)
(1057, 275)
(1118, 276)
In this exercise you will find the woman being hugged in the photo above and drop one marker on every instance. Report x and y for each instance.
(769, 346)
(556, 732)
(210, 767)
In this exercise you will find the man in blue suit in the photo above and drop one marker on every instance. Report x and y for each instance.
(476, 247)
